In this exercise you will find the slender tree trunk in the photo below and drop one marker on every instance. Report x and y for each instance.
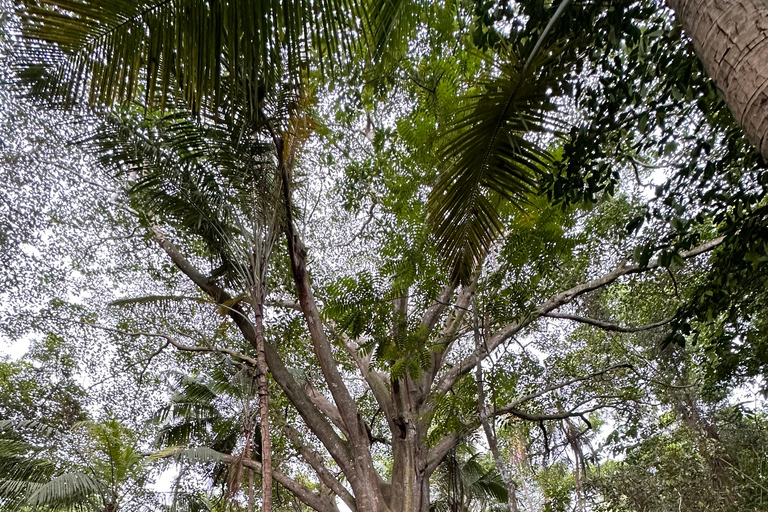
(251, 491)
(263, 392)
(731, 39)
(482, 410)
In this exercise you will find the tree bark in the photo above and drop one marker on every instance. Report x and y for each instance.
(731, 39)
(409, 490)
(366, 487)
(263, 392)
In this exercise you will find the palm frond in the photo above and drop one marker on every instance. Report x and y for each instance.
(69, 489)
(493, 156)
(155, 299)
(212, 181)
(200, 454)
(394, 19)
(115, 51)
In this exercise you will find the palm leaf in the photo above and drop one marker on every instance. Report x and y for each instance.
(493, 155)
(69, 489)
(212, 181)
(200, 454)
(156, 299)
(114, 51)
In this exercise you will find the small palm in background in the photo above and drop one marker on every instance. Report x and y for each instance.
(465, 482)
(210, 415)
(96, 466)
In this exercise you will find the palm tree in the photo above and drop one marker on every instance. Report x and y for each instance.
(99, 468)
(730, 38)
(216, 181)
(464, 484)
(216, 413)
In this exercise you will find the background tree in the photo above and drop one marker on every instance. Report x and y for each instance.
(95, 466)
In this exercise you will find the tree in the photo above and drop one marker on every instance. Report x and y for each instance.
(391, 329)
(215, 413)
(407, 344)
(729, 39)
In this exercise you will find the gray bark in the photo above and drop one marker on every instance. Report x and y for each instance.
(731, 39)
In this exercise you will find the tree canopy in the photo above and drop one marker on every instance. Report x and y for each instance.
(376, 256)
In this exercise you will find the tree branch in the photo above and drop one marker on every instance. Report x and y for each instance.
(310, 498)
(362, 476)
(325, 406)
(372, 378)
(315, 460)
(313, 418)
(448, 335)
(554, 387)
(286, 304)
(482, 409)
(297, 254)
(173, 341)
(609, 326)
(449, 442)
(432, 315)
(547, 417)
(553, 303)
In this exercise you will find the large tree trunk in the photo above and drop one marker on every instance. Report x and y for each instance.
(731, 39)
(410, 480)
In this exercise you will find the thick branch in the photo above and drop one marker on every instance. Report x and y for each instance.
(325, 406)
(609, 326)
(553, 303)
(432, 315)
(372, 378)
(297, 253)
(293, 390)
(315, 460)
(448, 335)
(363, 478)
(202, 281)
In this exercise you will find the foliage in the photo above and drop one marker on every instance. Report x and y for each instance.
(678, 468)
(561, 178)
(466, 482)
(95, 466)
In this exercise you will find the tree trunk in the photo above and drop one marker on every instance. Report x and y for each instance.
(482, 411)
(409, 491)
(410, 484)
(263, 392)
(731, 39)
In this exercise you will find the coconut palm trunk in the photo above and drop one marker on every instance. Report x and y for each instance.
(731, 39)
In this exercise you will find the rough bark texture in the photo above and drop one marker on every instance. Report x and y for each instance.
(731, 39)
